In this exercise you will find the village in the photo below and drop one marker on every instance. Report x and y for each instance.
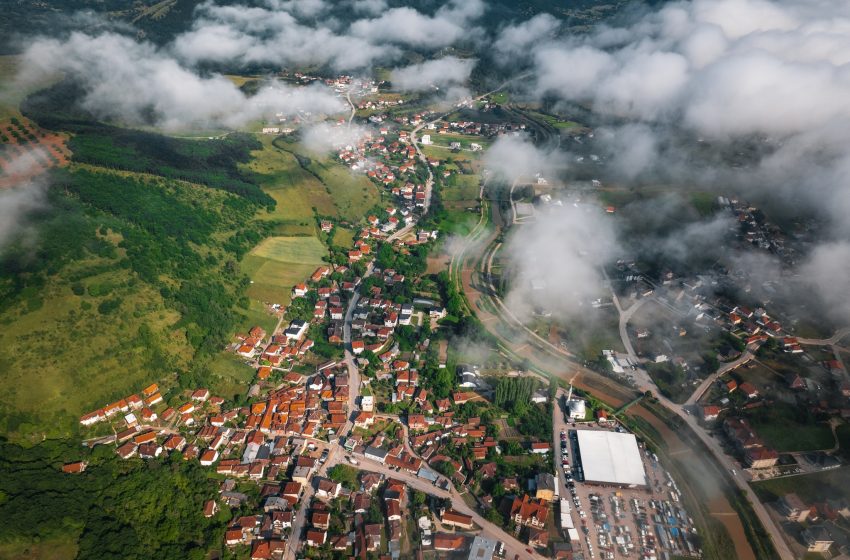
(364, 439)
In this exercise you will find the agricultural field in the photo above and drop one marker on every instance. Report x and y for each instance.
(786, 427)
(302, 187)
(27, 151)
(461, 187)
(343, 238)
(278, 263)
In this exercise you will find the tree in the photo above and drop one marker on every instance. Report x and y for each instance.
(345, 475)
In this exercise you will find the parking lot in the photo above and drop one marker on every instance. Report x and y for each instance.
(612, 522)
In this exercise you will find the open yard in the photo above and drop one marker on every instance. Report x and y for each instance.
(787, 428)
(810, 487)
(278, 263)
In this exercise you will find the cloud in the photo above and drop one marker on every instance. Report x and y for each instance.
(255, 35)
(324, 137)
(407, 26)
(16, 204)
(827, 272)
(437, 73)
(512, 158)
(516, 41)
(137, 83)
(555, 262)
(721, 67)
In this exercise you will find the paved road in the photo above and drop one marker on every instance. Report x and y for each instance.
(841, 333)
(489, 530)
(722, 370)
(644, 383)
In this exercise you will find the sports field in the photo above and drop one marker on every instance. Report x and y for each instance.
(278, 263)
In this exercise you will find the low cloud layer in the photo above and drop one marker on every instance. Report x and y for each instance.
(512, 158)
(16, 204)
(136, 83)
(556, 261)
(431, 74)
(278, 34)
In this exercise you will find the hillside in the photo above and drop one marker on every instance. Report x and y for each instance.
(124, 276)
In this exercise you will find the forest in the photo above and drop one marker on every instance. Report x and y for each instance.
(114, 509)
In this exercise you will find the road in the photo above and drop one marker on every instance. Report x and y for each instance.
(335, 453)
(833, 340)
(489, 530)
(561, 362)
(722, 370)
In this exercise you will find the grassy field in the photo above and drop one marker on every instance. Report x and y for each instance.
(810, 487)
(278, 263)
(56, 548)
(323, 186)
(38, 347)
(461, 187)
(229, 377)
(781, 429)
(343, 238)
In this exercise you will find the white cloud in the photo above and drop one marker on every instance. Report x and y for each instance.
(407, 26)
(439, 73)
(136, 83)
(514, 157)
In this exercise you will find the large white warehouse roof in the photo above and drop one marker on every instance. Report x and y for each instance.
(610, 458)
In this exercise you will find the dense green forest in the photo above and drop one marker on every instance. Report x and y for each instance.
(115, 509)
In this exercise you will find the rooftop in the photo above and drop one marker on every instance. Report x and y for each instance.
(611, 458)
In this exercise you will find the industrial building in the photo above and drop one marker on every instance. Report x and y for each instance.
(610, 458)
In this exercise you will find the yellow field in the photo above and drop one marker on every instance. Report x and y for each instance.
(278, 263)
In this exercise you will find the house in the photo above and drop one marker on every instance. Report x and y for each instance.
(127, 450)
(710, 412)
(327, 488)
(299, 290)
(529, 512)
(358, 346)
(321, 520)
(749, 390)
(452, 518)
(793, 508)
(210, 508)
(74, 468)
(540, 447)
(316, 538)
(233, 537)
(545, 487)
(201, 395)
(416, 422)
(760, 458)
(367, 403)
(261, 550)
(364, 419)
(447, 543)
(461, 397)
(208, 457)
(538, 538)
(375, 454)
(296, 330)
(817, 539)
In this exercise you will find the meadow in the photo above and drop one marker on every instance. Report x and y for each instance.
(278, 263)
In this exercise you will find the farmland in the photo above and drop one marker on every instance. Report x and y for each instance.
(303, 186)
(278, 263)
